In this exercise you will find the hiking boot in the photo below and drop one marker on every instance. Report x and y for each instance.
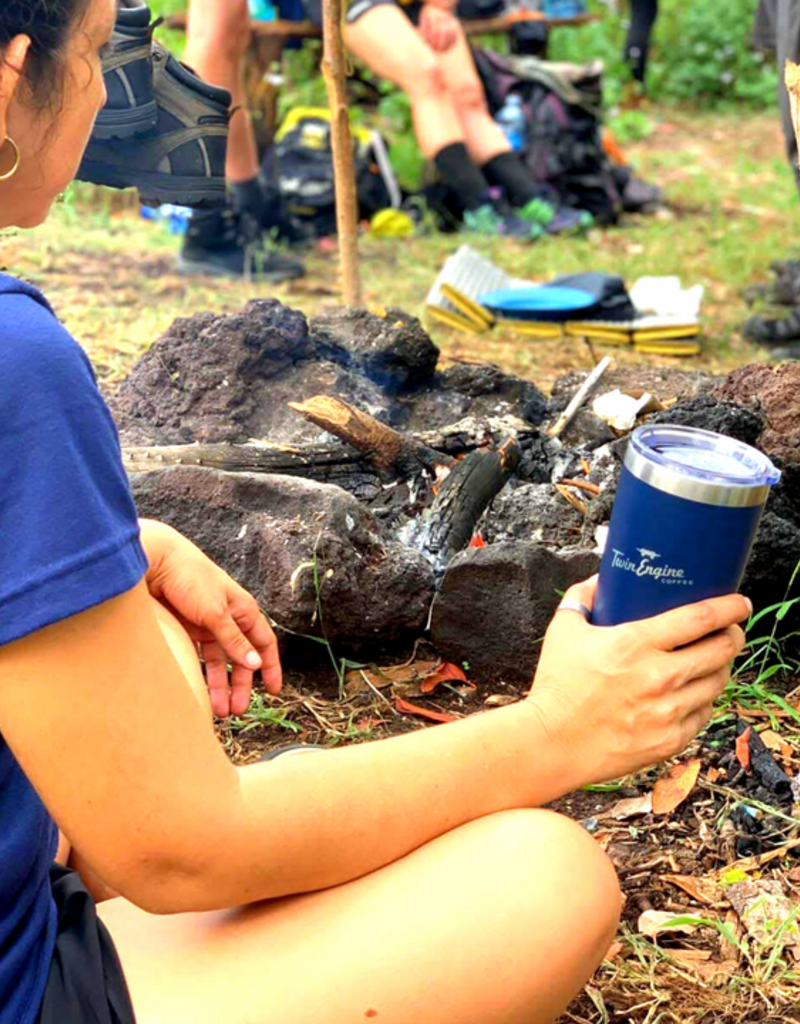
(264, 202)
(182, 159)
(224, 243)
(556, 220)
(128, 75)
(489, 220)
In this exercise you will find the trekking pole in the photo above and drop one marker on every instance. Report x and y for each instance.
(333, 71)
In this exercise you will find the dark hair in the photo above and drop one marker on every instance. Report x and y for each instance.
(48, 24)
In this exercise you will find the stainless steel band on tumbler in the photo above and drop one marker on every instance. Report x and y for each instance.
(681, 485)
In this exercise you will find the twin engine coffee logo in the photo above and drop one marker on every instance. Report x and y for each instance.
(648, 566)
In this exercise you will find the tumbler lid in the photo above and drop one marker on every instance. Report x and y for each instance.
(700, 465)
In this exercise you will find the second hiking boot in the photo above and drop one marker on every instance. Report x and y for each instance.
(128, 75)
(181, 159)
(224, 243)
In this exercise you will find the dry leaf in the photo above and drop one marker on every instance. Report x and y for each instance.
(743, 748)
(690, 957)
(631, 807)
(655, 922)
(715, 774)
(716, 974)
(406, 708)
(477, 540)
(703, 890)
(771, 740)
(764, 911)
(500, 700)
(614, 951)
(394, 675)
(670, 793)
(445, 673)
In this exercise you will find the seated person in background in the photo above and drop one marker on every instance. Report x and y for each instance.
(422, 49)
(414, 880)
(228, 241)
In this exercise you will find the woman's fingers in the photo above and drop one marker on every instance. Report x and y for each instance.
(684, 625)
(707, 656)
(261, 637)
(216, 664)
(703, 692)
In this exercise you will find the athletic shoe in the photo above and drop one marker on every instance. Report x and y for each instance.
(128, 75)
(489, 220)
(182, 159)
(224, 243)
(556, 220)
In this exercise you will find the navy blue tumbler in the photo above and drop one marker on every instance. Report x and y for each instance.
(684, 520)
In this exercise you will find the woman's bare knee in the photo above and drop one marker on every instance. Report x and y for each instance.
(542, 850)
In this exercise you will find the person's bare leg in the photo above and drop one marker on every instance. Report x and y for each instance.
(483, 137)
(501, 921)
(389, 44)
(217, 36)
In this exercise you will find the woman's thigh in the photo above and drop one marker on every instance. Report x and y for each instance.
(457, 67)
(389, 44)
(501, 921)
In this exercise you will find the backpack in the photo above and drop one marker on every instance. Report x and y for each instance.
(304, 169)
(564, 150)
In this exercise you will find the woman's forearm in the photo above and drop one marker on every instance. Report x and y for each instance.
(315, 821)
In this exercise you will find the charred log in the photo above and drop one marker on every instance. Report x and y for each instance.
(393, 454)
(463, 498)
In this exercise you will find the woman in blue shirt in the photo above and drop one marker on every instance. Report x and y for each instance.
(414, 880)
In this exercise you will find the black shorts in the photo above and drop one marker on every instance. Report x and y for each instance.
(86, 984)
(358, 8)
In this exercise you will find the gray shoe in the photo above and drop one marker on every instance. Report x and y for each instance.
(181, 159)
(128, 75)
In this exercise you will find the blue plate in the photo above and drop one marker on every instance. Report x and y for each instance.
(540, 302)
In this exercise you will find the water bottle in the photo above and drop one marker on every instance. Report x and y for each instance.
(511, 118)
(176, 218)
(262, 10)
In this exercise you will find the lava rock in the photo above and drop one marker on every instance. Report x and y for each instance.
(394, 351)
(206, 377)
(266, 530)
(587, 431)
(533, 512)
(784, 499)
(772, 393)
(709, 413)
(495, 603)
(773, 560)
(481, 391)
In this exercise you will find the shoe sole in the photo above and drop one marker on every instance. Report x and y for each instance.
(125, 124)
(208, 269)
(157, 189)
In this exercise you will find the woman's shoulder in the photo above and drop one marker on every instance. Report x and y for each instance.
(33, 342)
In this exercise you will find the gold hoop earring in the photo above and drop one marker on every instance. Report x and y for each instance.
(17, 159)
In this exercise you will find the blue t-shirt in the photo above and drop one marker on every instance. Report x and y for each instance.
(69, 539)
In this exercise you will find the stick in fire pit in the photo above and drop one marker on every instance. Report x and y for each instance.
(579, 398)
(392, 453)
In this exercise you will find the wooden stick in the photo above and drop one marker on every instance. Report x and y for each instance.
(584, 485)
(791, 76)
(580, 397)
(333, 71)
(392, 453)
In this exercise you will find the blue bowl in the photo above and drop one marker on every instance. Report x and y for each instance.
(539, 302)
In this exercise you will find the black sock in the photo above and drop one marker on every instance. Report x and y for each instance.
(462, 176)
(509, 172)
(248, 196)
